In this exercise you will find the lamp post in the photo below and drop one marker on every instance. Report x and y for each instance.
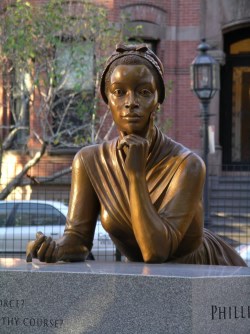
(205, 82)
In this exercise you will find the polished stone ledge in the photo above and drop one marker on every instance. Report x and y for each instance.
(121, 268)
(122, 298)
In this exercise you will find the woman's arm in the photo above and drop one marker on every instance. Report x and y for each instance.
(84, 206)
(76, 242)
(157, 238)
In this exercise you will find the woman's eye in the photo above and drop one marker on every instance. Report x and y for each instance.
(118, 92)
(145, 92)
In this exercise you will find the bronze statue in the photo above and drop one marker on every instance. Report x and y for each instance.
(146, 187)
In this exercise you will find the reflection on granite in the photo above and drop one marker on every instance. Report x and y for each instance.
(121, 268)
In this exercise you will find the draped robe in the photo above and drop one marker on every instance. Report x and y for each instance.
(173, 192)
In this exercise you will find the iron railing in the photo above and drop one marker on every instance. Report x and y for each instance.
(229, 205)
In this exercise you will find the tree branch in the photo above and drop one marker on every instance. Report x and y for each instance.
(48, 179)
(17, 180)
(11, 136)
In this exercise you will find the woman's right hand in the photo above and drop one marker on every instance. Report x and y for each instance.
(67, 248)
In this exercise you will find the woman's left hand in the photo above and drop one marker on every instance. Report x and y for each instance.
(136, 149)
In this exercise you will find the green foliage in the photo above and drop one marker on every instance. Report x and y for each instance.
(56, 50)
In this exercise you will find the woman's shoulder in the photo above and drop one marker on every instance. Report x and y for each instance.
(195, 163)
(192, 162)
(179, 150)
(91, 152)
(90, 149)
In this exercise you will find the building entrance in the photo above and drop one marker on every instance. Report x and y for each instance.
(235, 99)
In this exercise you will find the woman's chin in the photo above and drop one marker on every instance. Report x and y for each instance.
(133, 131)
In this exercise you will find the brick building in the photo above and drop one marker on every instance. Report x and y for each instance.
(174, 29)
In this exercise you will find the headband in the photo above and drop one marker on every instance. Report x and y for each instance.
(142, 51)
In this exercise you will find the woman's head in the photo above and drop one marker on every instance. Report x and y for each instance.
(134, 55)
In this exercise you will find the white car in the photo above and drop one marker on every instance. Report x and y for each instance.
(20, 220)
(244, 251)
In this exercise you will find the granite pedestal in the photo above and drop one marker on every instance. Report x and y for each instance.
(123, 298)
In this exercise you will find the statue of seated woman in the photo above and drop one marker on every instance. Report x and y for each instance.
(146, 187)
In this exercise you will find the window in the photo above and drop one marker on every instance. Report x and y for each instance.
(30, 214)
(5, 213)
(37, 215)
(73, 104)
(75, 65)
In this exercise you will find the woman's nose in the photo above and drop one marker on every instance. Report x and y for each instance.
(131, 100)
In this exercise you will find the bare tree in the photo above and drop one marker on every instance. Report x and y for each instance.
(50, 59)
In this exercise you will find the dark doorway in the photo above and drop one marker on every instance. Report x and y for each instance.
(235, 99)
(245, 119)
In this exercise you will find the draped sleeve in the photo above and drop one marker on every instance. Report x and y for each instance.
(84, 205)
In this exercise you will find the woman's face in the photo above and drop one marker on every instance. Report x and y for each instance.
(132, 97)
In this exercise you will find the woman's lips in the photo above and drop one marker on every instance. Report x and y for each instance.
(131, 116)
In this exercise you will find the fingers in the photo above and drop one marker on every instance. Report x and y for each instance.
(50, 255)
(39, 234)
(43, 248)
(137, 146)
(41, 253)
(122, 144)
(131, 140)
(136, 150)
(33, 246)
(48, 251)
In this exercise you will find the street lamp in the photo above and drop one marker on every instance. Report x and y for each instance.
(205, 81)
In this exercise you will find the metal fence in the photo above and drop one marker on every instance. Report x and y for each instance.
(40, 202)
(229, 206)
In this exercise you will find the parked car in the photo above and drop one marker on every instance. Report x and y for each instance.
(244, 251)
(20, 220)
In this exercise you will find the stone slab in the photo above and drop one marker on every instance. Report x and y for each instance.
(123, 298)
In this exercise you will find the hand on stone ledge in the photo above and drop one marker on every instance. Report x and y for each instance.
(67, 248)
